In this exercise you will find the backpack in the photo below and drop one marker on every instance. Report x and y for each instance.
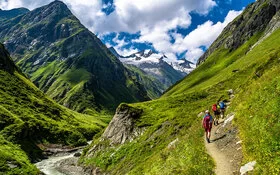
(214, 107)
(222, 105)
(207, 121)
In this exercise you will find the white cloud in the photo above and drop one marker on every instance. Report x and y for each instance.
(154, 19)
(203, 35)
(30, 4)
(126, 52)
(133, 16)
(193, 54)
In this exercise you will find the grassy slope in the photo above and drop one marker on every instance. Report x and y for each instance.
(174, 115)
(28, 117)
(12, 154)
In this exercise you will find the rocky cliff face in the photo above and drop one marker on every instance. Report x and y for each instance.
(257, 17)
(122, 128)
(67, 61)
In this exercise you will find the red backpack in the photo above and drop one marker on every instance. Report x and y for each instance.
(214, 107)
(207, 121)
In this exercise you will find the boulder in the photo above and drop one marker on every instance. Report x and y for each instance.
(122, 127)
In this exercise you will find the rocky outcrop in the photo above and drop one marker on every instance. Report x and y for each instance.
(122, 127)
(257, 17)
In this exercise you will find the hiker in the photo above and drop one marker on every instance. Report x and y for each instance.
(216, 113)
(207, 125)
(222, 108)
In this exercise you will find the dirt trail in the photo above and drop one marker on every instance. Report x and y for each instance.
(225, 149)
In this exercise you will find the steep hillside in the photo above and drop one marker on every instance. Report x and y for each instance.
(67, 61)
(164, 136)
(28, 117)
(153, 86)
(256, 18)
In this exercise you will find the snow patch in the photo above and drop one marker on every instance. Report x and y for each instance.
(150, 57)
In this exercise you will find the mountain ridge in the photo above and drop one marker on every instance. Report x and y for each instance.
(239, 31)
(154, 65)
(8, 14)
(68, 62)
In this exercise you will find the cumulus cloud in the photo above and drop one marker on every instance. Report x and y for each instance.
(203, 35)
(30, 4)
(194, 54)
(133, 16)
(153, 19)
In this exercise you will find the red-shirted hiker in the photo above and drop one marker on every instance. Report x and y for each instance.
(216, 113)
(207, 124)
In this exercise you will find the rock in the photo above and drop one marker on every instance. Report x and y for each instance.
(97, 171)
(200, 114)
(238, 142)
(229, 118)
(172, 145)
(122, 127)
(230, 91)
(70, 166)
(78, 154)
(11, 165)
(248, 167)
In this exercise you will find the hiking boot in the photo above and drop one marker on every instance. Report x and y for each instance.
(208, 140)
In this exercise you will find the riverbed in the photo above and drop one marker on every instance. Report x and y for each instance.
(50, 166)
(64, 163)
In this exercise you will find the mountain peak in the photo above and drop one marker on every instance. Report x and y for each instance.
(58, 3)
(59, 6)
(55, 8)
(114, 52)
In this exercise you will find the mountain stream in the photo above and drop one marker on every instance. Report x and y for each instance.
(53, 165)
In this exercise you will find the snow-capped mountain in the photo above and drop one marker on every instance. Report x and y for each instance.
(155, 65)
(183, 66)
(149, 57)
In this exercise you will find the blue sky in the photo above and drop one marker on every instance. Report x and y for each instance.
(213, 17)
(177, 28)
